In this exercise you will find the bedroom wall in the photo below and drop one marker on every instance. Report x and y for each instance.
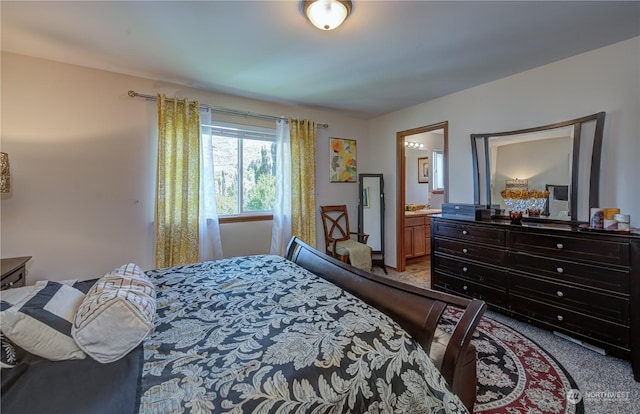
(82, 159)
(604, 79)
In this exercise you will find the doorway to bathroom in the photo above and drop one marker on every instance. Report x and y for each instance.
(422, 188)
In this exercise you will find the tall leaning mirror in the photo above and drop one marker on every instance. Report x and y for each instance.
(558, 162)
(371, 214)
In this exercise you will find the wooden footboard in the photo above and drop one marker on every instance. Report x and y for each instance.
(416, 309)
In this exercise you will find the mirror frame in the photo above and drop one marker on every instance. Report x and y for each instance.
(377, 255)
(596, 155)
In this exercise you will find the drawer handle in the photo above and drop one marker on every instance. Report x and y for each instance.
(464, 269)
(560, 318)
(560, 270)
(10, 284)
(464, 287)
(464, 232)
(464, 250)
(559, 293)
(559, 246)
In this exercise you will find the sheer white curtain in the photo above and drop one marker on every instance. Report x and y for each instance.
(209, 226)
(281, 230)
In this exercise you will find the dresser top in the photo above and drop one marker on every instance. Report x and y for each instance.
(11, 264)
(542, 224)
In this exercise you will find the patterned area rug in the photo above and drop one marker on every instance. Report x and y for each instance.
(515, 375)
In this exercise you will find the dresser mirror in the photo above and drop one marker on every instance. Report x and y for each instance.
(560, 162)
(371, 214)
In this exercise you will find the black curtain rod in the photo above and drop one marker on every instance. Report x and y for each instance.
(220, 110)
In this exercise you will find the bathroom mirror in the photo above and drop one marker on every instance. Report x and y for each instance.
(561, 158)
(371, 214)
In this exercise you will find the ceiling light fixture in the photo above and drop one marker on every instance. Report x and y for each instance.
(326, 14)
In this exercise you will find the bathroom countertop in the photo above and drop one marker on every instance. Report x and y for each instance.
(424, 212)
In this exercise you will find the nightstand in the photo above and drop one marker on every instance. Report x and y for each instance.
(13, 272)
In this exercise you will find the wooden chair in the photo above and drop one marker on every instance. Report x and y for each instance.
(335, 222)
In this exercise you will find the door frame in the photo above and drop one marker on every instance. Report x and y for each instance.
(401, 173)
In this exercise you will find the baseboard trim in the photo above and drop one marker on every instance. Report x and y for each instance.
(581, 343)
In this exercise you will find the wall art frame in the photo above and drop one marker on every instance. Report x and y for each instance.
(423, 170)
(343, 165)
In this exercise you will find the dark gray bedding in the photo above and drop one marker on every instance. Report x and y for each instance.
(79, 386)
(245, 335)
(262, 334)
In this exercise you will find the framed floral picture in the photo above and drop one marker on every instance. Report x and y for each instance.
(343, 160)
(423, 170)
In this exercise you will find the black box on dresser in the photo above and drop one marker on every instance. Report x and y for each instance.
(475, 211)
(579, 283)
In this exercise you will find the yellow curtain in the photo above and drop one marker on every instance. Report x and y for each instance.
(177, 188)
(303, 179)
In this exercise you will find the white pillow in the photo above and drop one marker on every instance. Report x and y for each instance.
(41, 321)
(116, 314)
(10, 297)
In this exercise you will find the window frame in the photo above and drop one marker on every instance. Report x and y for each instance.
(437, 172)
(243, 132)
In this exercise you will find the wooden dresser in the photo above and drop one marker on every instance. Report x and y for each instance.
(579, 283)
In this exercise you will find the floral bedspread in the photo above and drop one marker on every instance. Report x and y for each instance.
(260, 334)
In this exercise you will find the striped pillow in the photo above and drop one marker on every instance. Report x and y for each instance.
(116, 315)
(41, 322)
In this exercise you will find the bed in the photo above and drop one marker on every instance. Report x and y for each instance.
(303, 333)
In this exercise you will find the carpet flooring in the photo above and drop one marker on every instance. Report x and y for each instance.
(606, 383)
(515, 375)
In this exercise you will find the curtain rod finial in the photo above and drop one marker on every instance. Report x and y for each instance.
(132, 94)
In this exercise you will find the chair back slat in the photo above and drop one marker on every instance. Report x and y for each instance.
(335, 221)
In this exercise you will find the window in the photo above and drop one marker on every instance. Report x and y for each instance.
(244, 168)
(438, 170)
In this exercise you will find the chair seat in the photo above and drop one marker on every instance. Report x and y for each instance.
(339, 250)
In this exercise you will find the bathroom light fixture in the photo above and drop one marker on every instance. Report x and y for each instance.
(413, 145)
(326, 14)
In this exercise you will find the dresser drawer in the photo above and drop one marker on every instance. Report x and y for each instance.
(471, 251)
(605, 278)
(613, 308)
(578, 248)
(14, 279)
(571, 322)
(470, 232)
(469, 289)
(473, 272)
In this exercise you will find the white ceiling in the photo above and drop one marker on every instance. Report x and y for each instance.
(388, 55)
